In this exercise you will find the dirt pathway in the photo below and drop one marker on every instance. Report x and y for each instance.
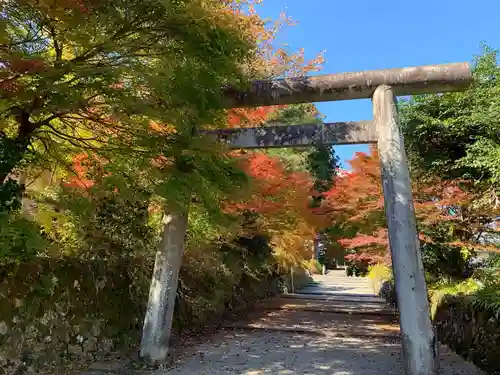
(334, 326)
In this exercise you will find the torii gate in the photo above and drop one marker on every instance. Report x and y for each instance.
(382, 86)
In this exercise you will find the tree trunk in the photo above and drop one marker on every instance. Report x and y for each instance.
(12, 152)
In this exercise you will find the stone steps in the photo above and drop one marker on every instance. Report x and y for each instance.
(322, 323)
(337, 297)
(332, 306)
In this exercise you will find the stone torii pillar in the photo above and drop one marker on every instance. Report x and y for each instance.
(419, 342)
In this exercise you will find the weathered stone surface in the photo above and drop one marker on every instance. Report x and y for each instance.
(419, 342)
(163, 290)
(336, 133)
(352, 85)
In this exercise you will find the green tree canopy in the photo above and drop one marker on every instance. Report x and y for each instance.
(457, 135)
(128, 81)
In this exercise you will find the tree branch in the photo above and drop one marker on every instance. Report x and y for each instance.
(57, 46)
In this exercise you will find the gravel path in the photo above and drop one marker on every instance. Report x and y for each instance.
(293, 354)
(332, 327)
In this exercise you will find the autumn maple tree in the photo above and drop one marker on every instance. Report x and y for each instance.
(91, 75)
(279, 201)
(110, 97)
(446, 210)
(355, 206)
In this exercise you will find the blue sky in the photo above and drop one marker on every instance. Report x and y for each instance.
(364, 34)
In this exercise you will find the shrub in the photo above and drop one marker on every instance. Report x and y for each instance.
(349, 271)
(438, 293)
(488, 298)
(361, 263)
(382, 283)
(483, 289)
(490, 272)
(110, 224)
(20, 239)
(357, 268)
(314, 266)
(446, 262)
(377, 274)
(388, 293)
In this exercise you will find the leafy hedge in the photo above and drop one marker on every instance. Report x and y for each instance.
(55, 310)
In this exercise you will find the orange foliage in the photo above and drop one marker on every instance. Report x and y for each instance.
(362, 240)
(269, 60)
(22, 65)
(282, 200)
(163, 129)
(80, 169)
(10, 88)
(357, 199)
(82, 163)
(281, 197)
(80, 5)
(275, 189)
(369, 259)
(432, 198)
(353, 200)
(250, 117)
(359, 192)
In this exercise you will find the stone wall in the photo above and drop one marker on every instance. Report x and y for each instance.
(54, 311)
(70, 310)
(472, 333)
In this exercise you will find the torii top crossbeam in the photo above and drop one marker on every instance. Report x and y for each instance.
(330, 87)
(356, 85)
